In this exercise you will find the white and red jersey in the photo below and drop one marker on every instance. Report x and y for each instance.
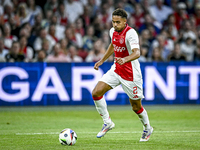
(123, 43)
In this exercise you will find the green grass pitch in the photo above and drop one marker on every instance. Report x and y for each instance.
(37, 128)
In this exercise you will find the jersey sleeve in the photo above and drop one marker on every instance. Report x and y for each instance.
(133, 39)
(111, 33)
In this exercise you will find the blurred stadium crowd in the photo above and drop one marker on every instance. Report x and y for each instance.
(78, 30)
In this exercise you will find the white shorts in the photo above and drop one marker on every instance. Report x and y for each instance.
(133, 89)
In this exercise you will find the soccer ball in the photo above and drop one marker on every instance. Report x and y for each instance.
(67, 137)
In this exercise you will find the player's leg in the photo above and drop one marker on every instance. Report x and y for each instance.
(107, 82)
(134, 91)
(141, 112)
(98, 96)
(143, 116)
(100, 89)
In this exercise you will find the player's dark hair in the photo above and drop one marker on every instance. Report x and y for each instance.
(120, 12)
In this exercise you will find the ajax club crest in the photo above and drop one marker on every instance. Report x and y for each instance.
(121, 41)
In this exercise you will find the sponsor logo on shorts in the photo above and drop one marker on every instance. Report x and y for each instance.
(135, 96)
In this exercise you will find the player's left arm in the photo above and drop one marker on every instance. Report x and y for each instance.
(133, 41)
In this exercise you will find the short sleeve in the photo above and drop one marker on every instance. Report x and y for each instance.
(132, 38)
(111, 33)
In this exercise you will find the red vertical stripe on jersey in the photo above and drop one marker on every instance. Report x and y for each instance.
(120, 50)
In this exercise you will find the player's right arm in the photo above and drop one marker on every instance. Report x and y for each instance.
(108, 53)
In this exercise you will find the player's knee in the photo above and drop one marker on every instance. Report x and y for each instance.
(95, 93)
(136, 105)
(136, 108)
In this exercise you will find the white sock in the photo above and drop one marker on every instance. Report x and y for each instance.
(101, 107)
(143, 116)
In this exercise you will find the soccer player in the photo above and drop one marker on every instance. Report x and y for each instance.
(125, 71)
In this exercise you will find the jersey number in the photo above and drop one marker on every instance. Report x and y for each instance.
(135, 90)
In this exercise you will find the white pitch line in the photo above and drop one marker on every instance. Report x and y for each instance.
(109, 132)
(37, 133)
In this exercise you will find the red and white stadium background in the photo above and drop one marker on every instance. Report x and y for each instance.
(72, 83)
